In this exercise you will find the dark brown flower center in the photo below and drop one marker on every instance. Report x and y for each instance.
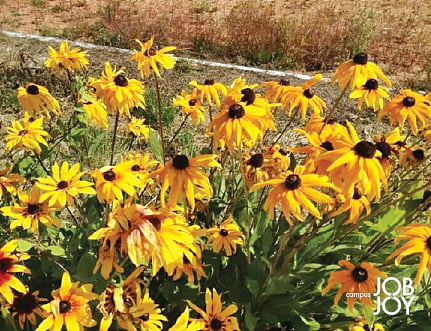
(216, 324)
(371, 84)
(156, 222)
(419, 154)
(400, 143)
(5, 264)
(357, 194)
(292, 182)
(180, 162)
(62, 185)
(145, 317)
(308, 93)
(248, 96)
(120, 80)
(109, 175)
(64, 306)
(327, 145)
(360, 58)
(428, 242)
(25, 303)
(384, 148)
(331, 121)
(22, 132)
(284, 82)
(236, 111)
(150, 52)
(33, 208)
(136, 167)
(224, 232)
(365, 149)
(409, 102)
(32, 89)
(209, 82)
(192, 102)
(360, 274)
(426, 196)
(256, 160)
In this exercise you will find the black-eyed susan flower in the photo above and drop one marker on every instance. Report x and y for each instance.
(210, 91)
(96, 112)
(64, 185)
(145, 314)
(111, 182)
(357, 164)
(35, 98)
(387, 144)
(356, 279)
(26, 306)
(190, 268)
(182, 322)
(184, 178)
(370, 93)
(26, 135)
(31, 211)
(190, 105)
(70, 307)
(256, 168)
(9, 181)
(293, 190)
(117, 92)
(418, 242)
(137, 127)
(304, 97)
(214, 317)
(226, 235)
(355, 73)
(66, 58)
(8, 259)
(355, 205)
(410, 106)
(141, 166)
(278, 91)
(149, 58)
(239, 125)
(319, 124)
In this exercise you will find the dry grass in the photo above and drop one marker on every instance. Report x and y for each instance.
(310, 34)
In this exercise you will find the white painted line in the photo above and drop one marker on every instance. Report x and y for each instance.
(203, 62)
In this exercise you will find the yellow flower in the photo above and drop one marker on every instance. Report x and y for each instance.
(239, 124)
(27, 135)
(371, 94)
(35, 98)
(227, 235)
(355, 204)
(137, 128)
(26, 306)
(387, 144)
(215, 318)
(149, 59)
(111, 182)
(418, 238)
(70, 307)
(182, 323)
(209, 90)
(9, 181)
(304, 97)
(185, 178)
(117, 92)
(140, 166)
(8, 258)
(31, 211)
(190, 105)
(96, 112)
(64, 185)
(356, 279)
(278, 91)
(66, 58)
(363, 326)
(408, 105)
(294, 189)
(355, 73)
(320, 125)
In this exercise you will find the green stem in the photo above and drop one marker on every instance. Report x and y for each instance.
(178, 131)
(114, 138)
(159, 105)
(41, 163)
(73, 216)
(287, 125)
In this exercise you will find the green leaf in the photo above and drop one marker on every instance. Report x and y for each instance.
(24, 245)
(85, 266)
(250, 319)
(57, 251)
(156, 146)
